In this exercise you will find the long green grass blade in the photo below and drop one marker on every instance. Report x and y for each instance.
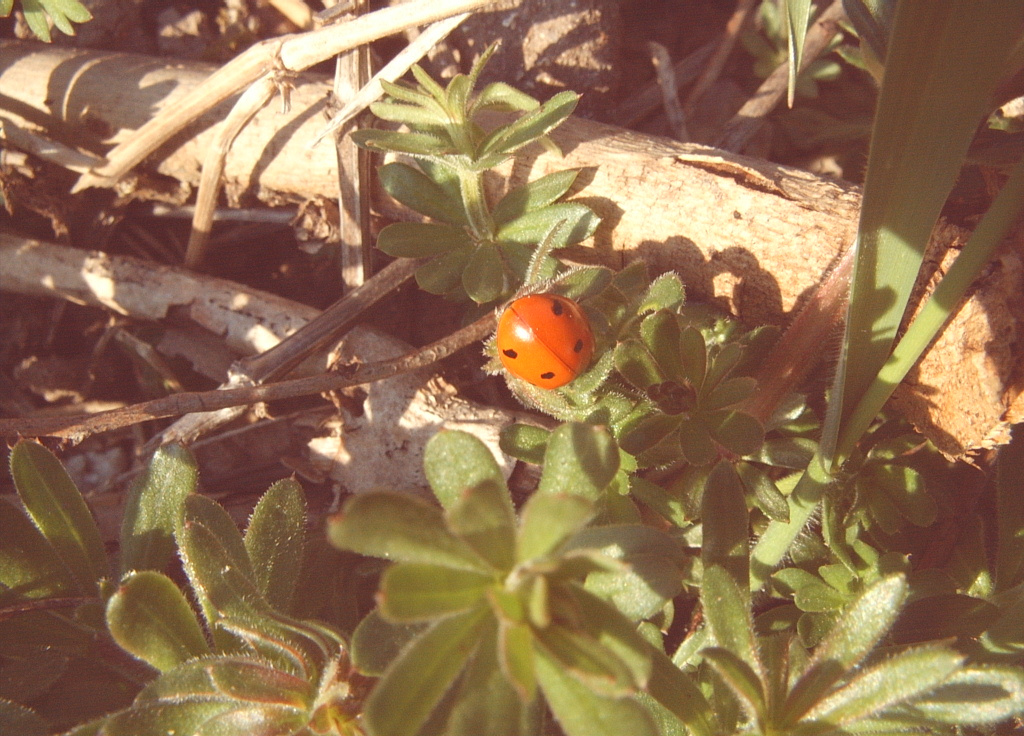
(945, 60)
(1003, 214)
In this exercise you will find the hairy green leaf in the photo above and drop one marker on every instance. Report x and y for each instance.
(29, 566)
(580, 459)
(415, 682)
(275, 541)
(411, 591)
(581, 711)
(416, 190)
(400, 527)
(533, 195)
(59, 512)
(548, 520)
(153, 507)
(149, 617)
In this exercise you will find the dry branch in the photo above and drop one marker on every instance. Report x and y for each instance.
(749, 235)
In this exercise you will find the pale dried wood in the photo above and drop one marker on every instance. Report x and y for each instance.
(748, 235)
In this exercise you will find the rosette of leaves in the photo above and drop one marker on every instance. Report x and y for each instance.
(471, 248)
(760, 678)
(483, 617)
(848, 683)
(62, 12)
(59, 665)
(252, 669)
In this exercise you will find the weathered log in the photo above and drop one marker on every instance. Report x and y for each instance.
(750, 235)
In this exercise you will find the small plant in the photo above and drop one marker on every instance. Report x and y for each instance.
(474, 250)
(252, 668)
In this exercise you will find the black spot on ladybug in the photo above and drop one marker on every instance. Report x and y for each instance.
(578, 346)
(548, 375)
(510, 353)
(557, 309)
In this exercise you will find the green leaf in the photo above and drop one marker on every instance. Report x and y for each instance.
(943, 64)
(797, 13)
(501, 96)
(809, 592)
(649, 431)
(35, 18)
(665, 292)
(416, 190)
(275, 541)
(635, 363)
(650, 574)
(899, 678)
(855, 634)
(149, 617)
(760, 484)
(729, 392)
(524, 442)
(486, 703)
(59, 511)
(548, 520)
(415, 116)
(726, 524)
(376, 642)
(727, 609)
(400, 527)
(443, 274)
(617, 634)
(533, 195)
(515, 655)
(580, 459)
(582, 712)
(740, 678)
(153, 507)
(413, 685)
(738, 432)
(978, 695)
(693, 353)
(411, 591)
(575, 222)
(660, 334)
(421, 239)
(29, 566)
(531, 126)
(414, 144)
(484, 276)
(597, 667)
(484, 518)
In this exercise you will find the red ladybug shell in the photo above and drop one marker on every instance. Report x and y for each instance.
(545, 340)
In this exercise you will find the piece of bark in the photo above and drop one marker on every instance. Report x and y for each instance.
(748, 235)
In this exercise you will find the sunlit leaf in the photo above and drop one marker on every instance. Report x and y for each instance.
(276, 540)
(411, 591)
(417, 679)
(59, 511)
(416, 190)
(153, 507)
(582, 712)
(149, 617)
(580, 459)
(400, 527)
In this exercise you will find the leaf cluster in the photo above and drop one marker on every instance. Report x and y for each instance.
(497, 611)
(472, 249)
(248, 667)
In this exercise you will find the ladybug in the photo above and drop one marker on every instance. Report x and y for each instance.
(544, 339)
